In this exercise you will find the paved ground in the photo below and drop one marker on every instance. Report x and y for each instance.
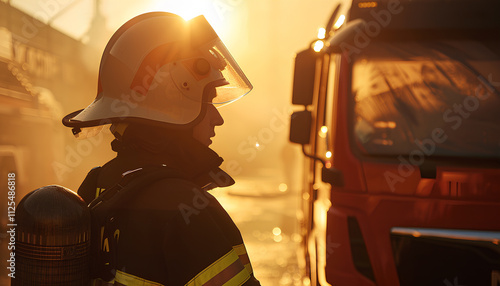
(267, 220)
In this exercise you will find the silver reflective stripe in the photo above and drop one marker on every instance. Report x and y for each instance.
(472, 235)
(130, 171)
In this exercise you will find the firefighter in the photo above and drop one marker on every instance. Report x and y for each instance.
(161, 79)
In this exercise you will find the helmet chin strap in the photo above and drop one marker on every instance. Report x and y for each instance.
(76, 131)
(118, 129)
(86, 132)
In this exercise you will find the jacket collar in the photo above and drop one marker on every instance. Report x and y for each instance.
(195, 161)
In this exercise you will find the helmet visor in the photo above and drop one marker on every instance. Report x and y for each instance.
(235, 83)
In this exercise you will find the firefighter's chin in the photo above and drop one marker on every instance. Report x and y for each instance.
(207, 141)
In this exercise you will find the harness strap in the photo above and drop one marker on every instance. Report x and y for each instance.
(104, 207)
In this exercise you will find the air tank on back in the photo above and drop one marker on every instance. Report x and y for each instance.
(52, 238)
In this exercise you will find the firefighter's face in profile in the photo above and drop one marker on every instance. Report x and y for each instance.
(205, 129)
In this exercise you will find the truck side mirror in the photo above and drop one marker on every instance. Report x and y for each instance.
(300, 127)
(304, 77)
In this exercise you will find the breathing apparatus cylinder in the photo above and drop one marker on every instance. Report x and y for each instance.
(52, 238)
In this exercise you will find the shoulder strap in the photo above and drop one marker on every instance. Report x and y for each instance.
(131, 180)
(88, 187)
(102, 210)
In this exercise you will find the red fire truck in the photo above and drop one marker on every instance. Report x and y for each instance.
(399, 122)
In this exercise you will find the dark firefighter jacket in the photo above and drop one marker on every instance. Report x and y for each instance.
(172, 232)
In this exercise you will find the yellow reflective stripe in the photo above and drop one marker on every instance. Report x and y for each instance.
(98, 191)
(215, 268)
(235, 274)
(239, 279)
(131, 280)
(243, 255)
(240, 249)
(100, 282)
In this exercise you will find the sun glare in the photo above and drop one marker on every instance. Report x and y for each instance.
(187, 9)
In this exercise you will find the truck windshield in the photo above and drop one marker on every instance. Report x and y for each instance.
(439, 97)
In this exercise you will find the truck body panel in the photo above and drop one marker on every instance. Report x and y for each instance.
(405, 131)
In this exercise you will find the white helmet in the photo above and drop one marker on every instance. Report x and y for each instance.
(160, 69)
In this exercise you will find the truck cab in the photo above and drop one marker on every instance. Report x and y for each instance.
(397, 114)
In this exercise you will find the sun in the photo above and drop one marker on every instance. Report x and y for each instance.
(187, 9)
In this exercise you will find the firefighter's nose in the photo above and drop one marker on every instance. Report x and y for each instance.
(217, 119)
